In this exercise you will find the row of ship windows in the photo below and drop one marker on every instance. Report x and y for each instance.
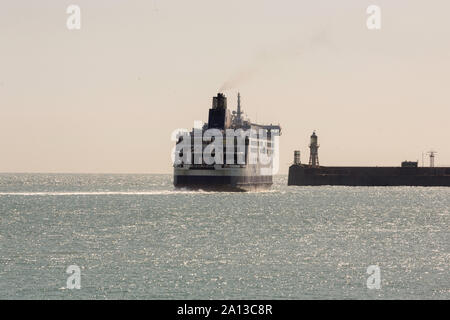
(253, 142)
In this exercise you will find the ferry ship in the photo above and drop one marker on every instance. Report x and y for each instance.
(245, 153)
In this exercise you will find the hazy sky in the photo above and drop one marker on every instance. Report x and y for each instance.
(106, 98)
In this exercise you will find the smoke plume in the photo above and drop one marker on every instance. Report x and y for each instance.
(270, 56)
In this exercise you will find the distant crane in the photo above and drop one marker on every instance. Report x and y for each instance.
(431, 153)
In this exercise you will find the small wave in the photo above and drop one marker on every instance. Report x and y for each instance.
(121, 193)
(100, 193)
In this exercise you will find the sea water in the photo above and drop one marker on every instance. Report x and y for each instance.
(136, 237)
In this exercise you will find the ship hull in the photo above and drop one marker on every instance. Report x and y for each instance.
(369, 176)
(233, 180)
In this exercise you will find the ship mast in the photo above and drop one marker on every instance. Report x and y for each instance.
(238, 113)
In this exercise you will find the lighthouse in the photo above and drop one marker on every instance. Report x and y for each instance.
(314, 151)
